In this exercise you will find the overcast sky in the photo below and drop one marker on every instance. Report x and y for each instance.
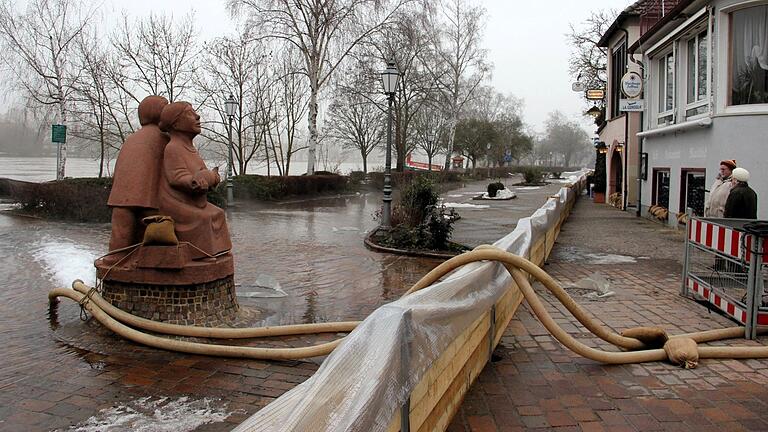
(525, 42)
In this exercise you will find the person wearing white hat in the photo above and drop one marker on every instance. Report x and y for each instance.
(742, 201)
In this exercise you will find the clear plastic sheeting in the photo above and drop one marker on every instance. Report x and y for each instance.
(371, 374)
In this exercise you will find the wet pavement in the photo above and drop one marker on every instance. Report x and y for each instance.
(58, 373)
(538, 385)
(485, 221)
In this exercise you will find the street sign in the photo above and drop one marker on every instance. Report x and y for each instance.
(631, 105)
(595, 94)
(632, 84)
(58, 133)
(578, 87)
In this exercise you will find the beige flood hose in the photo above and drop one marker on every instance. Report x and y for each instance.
(116, 320)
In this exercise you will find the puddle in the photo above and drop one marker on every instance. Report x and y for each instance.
(150, 414)
(574, 254)
(466, 205)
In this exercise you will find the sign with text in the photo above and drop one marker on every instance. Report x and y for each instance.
(59, 133)
(632, 84)
(631, 105)
(595, 94)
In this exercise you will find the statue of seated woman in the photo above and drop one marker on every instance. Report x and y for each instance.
(186, 181)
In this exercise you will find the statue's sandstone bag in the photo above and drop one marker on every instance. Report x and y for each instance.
(160, 231)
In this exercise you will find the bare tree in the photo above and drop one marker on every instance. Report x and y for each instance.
(290, 107)
(357, 124)
(431, 131)
(234, 66)
(588, 62)
(323, 32)
(157, 53)
(461, 65)
(565, 137)
(38, 44)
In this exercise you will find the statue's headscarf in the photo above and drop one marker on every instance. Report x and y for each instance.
(171, 113)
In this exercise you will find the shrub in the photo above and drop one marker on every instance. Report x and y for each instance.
(599, 176)
(79, 199)
(417, 221)
(493, 188)
(273, 188)
(532, 175)
(416, 200)
(356, 177)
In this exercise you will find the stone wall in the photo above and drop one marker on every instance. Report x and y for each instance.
(207, 304)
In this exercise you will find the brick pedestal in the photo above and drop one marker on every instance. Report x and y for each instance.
(205, 304)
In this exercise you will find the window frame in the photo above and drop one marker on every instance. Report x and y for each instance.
(693, 35)
(616, 75)
(661, 73)
(725, 71)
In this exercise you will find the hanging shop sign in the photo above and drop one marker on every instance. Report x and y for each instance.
(632, 84)
(595, 94)
(578, 87)
(631, 105)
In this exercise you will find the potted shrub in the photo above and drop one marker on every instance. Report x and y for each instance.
(599, 188)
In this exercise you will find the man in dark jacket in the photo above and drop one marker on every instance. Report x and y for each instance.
(742, 201)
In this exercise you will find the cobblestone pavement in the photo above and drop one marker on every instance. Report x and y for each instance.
(539, 385)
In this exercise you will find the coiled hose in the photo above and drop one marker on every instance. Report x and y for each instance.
(119, 321)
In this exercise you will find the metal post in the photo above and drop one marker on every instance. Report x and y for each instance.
(686, 253)
(754, 295)
(405, 361)
(58, 159)
(230, 171)
(386, 218)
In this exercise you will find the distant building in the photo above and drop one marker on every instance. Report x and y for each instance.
(706, 97)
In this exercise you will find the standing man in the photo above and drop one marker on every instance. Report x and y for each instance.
(742, 201)
(138, 172)
(718, 193)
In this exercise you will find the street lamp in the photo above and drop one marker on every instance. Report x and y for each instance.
(389, 79)
(231, 107)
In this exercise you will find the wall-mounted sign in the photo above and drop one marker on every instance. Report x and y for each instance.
(58, 133)
(632, 84)
(631, 105)
(578, 87)
(595, 94)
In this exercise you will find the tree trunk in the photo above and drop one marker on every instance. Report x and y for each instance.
(451, 136)
(60, 169)
(101, 152)
(365, 162)
(399, 143)
(429, 161)
(312, 123)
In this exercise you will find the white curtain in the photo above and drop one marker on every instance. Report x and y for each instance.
(751, 36)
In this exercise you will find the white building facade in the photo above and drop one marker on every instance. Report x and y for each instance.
(706, 99)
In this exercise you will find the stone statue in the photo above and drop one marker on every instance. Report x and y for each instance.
(138, 173)
(185, 183)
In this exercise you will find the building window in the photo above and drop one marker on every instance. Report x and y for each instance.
(661, 187)
(666, 68)
(618, 69)
(696, 98)
(749, 56)
(692, 185)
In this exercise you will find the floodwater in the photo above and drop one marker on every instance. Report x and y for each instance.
(44, 168)
(297, 262)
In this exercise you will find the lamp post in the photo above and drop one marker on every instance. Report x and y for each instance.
(390, 78)
(231, 107)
